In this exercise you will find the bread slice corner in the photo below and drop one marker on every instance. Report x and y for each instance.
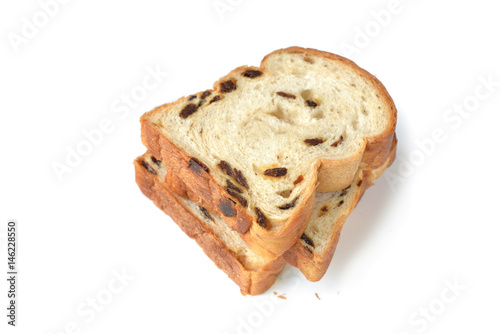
(252, 273)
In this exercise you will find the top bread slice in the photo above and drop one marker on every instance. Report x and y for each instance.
(257, 147)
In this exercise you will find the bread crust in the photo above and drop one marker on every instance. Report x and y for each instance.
(313, 265)
(250, 281)
(204, 190)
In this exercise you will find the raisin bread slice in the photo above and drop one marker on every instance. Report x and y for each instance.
(224, 247)
(256, 148)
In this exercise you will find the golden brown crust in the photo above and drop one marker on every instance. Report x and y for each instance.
(313, 265)
(335, 175)
(202, 188)
(251, 282)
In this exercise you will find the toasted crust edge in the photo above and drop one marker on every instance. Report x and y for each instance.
(251, 282)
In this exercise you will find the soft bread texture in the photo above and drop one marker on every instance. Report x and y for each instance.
(252, 273)
(256, 148)
(313, 253)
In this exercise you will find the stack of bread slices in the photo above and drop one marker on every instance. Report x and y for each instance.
(263, 169)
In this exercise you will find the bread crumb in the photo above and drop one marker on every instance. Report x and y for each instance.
(281, 297)
(275, 292)
(338, 292)
(317, 296)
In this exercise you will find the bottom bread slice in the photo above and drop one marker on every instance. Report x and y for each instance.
(253, 274)
(313, 253)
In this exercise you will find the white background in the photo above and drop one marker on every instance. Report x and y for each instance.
(434, 221)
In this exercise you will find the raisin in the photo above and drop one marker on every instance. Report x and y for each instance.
(188, 110)
(240, 178)
(205, 94)
(340, 203)
(276, 172)
(311, 103)
(308, 249)
(192, 97)
(252, 74)
(344, 191)
(148, 167)
(242, 201)
(261, 218)
(227, 86)
(314, 141)
(359, 183)
(299, 179)
(226, 167)
(205, 212)
(324, 210)
(156, 161)
(232, 187)
(307, 240)
(240, 198)
(215, 99)
(338, 142)
(288, 96)
(226, 206)
(202, 102)
(197, 166)
(289, 205)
